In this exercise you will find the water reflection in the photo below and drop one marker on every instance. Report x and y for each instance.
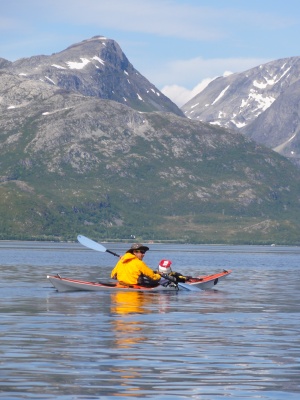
(127, 333)
(127, 302)
(125, 308)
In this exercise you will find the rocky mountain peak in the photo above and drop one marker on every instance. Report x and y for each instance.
(4, 63)
(95, 67)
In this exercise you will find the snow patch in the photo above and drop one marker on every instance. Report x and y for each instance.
(263, 102)
(139, 97)
(49, 79)
(284, 144)
(285, 72)
(260, 85)
(98, 59)
(58, 66)
(270, 82)
(78, 65)
(157, 93)
(22, 74)
(220, 95)
(291, 138)
(221, 114)
(55, 111)
(244, 103)
(238, 124)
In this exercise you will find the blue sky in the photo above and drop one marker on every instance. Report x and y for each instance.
(176, 44)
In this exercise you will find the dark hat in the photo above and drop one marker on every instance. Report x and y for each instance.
(137, 246)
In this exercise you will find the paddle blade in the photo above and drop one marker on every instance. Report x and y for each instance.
(90, 244)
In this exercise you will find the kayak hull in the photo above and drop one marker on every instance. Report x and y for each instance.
(199, 283)
(67, 284)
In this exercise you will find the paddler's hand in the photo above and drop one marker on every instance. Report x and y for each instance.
(170, 278)
(178, 276)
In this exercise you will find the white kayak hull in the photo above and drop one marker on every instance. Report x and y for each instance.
(200, 283)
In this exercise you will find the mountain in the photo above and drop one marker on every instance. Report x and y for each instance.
(4, 63)
(262, 103)
(95, 67)
(75, 163)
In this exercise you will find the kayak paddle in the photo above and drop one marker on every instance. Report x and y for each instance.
(94, 245)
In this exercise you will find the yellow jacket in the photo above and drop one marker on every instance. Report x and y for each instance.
(129, 269)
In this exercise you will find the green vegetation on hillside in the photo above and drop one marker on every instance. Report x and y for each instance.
(101, 169)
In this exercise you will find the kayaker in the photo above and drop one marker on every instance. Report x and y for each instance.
(131, 269)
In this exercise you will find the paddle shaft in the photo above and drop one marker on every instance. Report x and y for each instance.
(111, 252)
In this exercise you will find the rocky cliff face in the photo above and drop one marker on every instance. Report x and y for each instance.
(261, 103)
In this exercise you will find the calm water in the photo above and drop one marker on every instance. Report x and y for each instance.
(240, 340)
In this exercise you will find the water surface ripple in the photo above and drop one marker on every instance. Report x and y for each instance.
(239, 340)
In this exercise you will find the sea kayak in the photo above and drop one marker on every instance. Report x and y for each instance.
(199, 283)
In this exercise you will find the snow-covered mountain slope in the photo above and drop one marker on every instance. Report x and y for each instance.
(251, 102)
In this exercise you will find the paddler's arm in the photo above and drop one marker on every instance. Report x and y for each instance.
(113, 274)
(149, 273)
